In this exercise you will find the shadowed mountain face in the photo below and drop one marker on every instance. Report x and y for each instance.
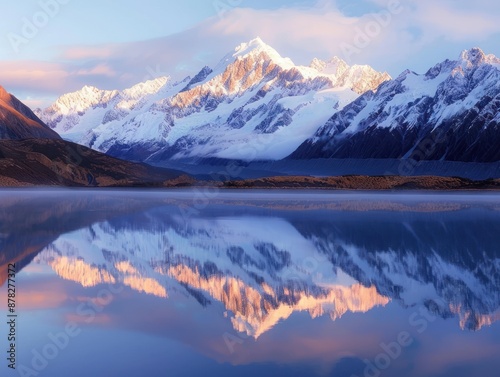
(45, 162)
(18, 122)
(263, 263)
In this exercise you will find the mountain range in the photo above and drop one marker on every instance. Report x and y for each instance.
(252, 98)
(256, 107)
(450, 113)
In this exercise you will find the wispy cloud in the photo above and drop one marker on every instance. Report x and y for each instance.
(89, 52)
(35, 75)
(100, 69)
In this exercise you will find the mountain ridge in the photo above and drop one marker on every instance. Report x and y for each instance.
(449, 113)
(252, 93)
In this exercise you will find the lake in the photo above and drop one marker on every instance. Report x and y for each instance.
(268, 283)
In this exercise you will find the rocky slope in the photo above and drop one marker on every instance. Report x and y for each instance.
(44, 162)
(18, 122)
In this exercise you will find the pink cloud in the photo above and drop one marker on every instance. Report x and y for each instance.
(318, 31)
(98, 70)
(35, 75)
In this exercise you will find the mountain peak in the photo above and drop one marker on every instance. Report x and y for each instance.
(255, 47)
(256, 43)
(474, 56)
(147, 87)
(4, 95)
(254, 50)
(90, 89)
(318, 64)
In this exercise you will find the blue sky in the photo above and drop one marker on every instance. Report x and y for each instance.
(50, 47)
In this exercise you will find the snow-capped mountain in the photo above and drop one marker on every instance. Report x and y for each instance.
(254, 104)
(118, 117)
(263, 268)
(451, 113)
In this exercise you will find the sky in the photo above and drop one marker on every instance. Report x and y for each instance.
(52, 47)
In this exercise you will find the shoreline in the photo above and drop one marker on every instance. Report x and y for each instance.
(353, 183)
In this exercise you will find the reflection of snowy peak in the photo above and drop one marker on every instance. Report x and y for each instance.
(263, 269)
(259, 283)
(450, 113)
(253, 104)
(447, 263)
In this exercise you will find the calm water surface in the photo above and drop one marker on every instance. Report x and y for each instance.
(251, 283)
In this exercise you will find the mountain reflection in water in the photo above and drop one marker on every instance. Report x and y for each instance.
(254, 264)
